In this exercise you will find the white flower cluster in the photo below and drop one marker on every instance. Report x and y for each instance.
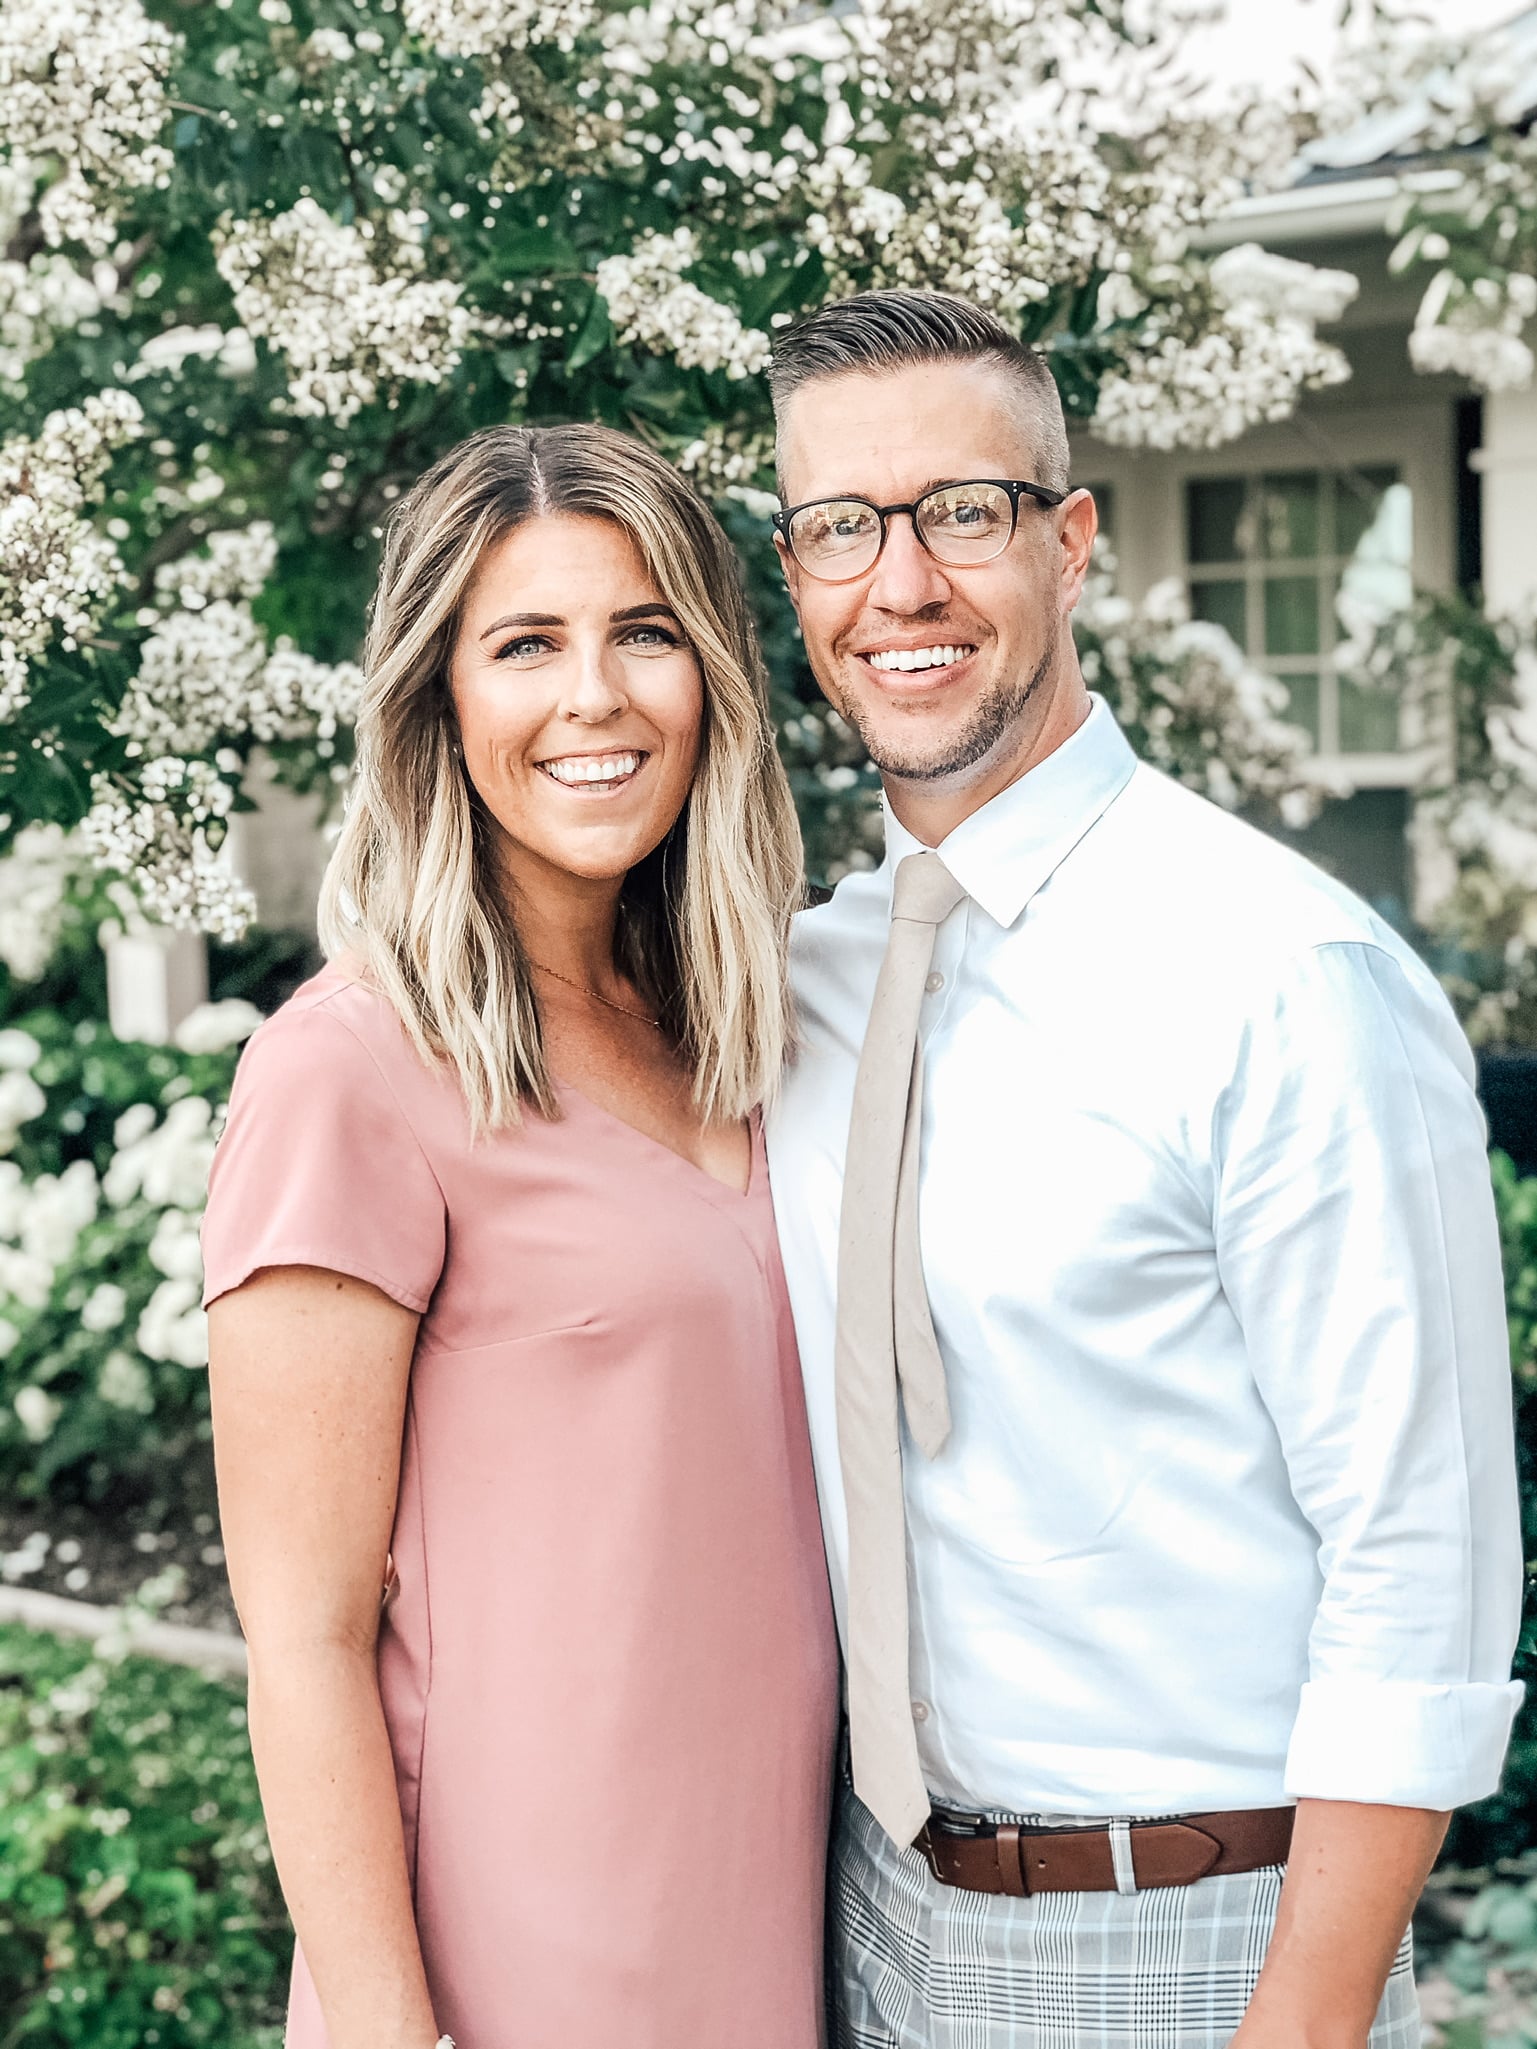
(231, 349)
(1190, 386)
(206, 672)
(40, 1224)
(235, 563)
(82, 85)
(56, 570)
(215, 1027)
(350, 320)
(487, 28)
(20, 1097)
(955, 235)
(724, 461)
(42, 295)
(164, 1162)
(1197, 707)
(655, 308)
(35, 874)
(1475, 329)
(160, 1165)
(158, 834)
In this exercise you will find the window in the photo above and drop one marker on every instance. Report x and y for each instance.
(1284, 561)
(1104, 500)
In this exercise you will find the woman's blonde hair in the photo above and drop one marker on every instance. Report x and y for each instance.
(413, 893)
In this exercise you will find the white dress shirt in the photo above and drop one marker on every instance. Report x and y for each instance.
(1228, 1513)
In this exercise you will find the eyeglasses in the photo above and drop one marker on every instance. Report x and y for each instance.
(837, 539)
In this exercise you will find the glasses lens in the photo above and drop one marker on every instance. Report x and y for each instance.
(839, 537)
(966, 522)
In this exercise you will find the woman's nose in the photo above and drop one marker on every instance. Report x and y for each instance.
(594, 688)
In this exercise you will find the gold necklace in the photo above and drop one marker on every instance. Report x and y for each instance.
(607, 1001)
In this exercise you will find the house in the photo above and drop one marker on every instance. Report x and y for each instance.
(1396, 477)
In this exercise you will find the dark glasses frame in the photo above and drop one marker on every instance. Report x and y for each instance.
(1016, 487)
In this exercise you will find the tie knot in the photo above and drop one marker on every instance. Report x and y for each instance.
(925, 891)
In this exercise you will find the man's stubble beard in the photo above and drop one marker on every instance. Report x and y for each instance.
(990, 722)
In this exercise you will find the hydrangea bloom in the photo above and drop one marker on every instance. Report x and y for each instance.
(82, 85)
(653, 306)
(56, 570)
(34, 884)
(350, 318)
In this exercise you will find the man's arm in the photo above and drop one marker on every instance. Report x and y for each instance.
(1357, 1244)
(1354, 1876)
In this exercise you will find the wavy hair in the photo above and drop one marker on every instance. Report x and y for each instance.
(412, 892)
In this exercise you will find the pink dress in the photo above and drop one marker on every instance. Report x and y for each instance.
(608, 1667)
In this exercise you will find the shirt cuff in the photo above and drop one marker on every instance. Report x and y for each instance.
(1400, 1743)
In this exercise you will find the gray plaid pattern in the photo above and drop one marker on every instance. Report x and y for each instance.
(918, 1965)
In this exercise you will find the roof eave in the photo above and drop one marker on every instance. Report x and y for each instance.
(1332, 210)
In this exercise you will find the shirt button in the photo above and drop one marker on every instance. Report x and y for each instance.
(935, 983)
(920, 1710)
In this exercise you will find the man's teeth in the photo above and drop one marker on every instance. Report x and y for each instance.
(918, 657)
(593, 768)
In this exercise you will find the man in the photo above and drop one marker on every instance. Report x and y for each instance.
(1203, 1503)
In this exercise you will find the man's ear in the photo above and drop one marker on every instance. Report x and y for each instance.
(1079, 523)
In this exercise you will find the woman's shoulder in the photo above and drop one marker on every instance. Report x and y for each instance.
(337, 1019)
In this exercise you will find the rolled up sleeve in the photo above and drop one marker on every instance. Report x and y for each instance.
(1357, 1242)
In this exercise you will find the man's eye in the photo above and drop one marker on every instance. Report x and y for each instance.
(966, 513)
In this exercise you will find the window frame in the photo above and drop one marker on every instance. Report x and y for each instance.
(1415, 437)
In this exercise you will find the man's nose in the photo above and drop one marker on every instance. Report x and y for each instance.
(907, 578)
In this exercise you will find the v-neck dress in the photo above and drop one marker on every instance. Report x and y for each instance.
(607, 1658)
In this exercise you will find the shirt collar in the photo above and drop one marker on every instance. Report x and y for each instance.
(1002, 854)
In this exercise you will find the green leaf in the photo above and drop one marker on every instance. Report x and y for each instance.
(593, 336)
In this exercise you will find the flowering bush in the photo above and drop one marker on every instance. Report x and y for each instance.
(264, 262)
(102, 1340)
(1475, 241)
(1466, 677)
(138, 1904)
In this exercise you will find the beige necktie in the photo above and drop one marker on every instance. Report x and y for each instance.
(885, 1333)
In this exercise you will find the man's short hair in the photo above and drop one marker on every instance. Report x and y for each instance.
(887, 331)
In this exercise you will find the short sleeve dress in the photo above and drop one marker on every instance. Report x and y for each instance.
(607, 1660)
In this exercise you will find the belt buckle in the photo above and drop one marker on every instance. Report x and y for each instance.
(952, 1821)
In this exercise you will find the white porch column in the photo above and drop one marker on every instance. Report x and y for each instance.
(279, 850)
(1507, 463)
(154, 977)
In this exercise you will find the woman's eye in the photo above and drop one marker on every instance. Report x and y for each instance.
(526, 643)
(654, 636)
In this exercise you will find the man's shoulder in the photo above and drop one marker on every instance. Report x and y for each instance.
(1226, 877)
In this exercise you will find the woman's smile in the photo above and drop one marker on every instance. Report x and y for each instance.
(596, 775)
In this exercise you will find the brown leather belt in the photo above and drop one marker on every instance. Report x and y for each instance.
(1001, 1857)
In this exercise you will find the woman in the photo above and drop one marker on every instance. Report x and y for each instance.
(496, 1293)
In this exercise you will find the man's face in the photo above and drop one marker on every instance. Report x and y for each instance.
(889, 438)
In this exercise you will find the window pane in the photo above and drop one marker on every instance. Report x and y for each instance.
(1368, 719)
(1289, 516)
(1358, 496)
(1302, 704)
(1104, 500)
(1377, 580)
(1214, 519)
(1223, 604)
(1291, 615)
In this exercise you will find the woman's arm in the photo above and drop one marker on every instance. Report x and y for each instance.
(309, 1373)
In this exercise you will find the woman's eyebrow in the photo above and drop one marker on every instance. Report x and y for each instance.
(642, 612)
(522, 619)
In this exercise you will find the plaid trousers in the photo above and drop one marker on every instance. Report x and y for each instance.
(918, 1965)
